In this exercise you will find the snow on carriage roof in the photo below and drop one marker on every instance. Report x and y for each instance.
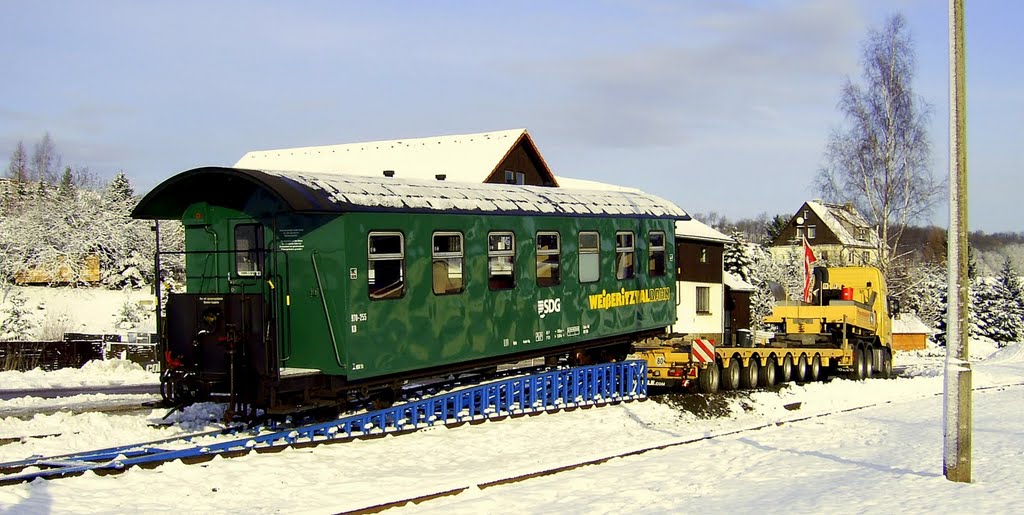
(333, 192)
(460, 157)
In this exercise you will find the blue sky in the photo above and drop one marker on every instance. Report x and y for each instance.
(718, 106)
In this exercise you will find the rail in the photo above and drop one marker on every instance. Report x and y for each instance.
(547, 391)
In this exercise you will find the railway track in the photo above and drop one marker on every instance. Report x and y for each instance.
(683, 441)
(524, 395)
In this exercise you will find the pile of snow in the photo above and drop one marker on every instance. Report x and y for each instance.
(96, 373)
(201, 416)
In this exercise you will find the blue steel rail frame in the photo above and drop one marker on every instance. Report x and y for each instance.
(559, 389)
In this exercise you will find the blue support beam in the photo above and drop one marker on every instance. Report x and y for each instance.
(558, 389)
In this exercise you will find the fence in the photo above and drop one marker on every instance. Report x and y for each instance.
(77, 350)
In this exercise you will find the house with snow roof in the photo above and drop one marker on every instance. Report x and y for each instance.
(507, 156)
(837, 233)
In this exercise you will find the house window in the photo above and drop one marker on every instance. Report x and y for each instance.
(624, 250)
(447, 263)
(867, 257)
(799, 232)
(386, 268)
(811, 231)
(248, 249)
(824, 255)
(501, 260)
(514, 177)
(590, 257)
(703, 300)
(703, 254)
(656, 260)
(548, 259)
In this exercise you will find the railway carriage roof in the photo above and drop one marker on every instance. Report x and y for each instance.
(314, 192)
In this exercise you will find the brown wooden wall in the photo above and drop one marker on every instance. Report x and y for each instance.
(689, 267)
(738, 304)
(823, 235)
(909, 341)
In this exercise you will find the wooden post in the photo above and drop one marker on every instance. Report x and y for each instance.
(957, 408)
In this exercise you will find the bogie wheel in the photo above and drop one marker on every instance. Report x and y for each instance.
(859, 367)
(749, 374)
(800, 369)
(707, 379)
(869, 362)
(786, 369)
(886, 365)
(767, 373)
(814, 372)
(730, 378)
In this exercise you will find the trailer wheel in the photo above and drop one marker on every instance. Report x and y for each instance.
(869, 362)
(707, 379)
(730, 379)
(749, 374)
(814, 373)
(800, 370)
(767, 373)
(859, 365)
(786, 369)
(886, 365)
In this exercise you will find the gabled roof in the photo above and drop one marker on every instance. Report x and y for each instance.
(908, 323)
(460, 157)
(842, 220)
(694, 230)
(736, 283)
(322, 192)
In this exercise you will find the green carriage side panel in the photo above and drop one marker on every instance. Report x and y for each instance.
(421, 329)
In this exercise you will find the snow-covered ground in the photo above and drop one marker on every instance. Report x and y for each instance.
(882, 458)
(86, 310)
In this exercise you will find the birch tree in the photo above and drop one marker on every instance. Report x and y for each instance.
(880, 157)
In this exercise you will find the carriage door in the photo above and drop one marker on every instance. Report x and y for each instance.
(251, 276)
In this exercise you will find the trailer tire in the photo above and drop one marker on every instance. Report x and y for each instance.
(786, 369)
(869, 362)
(800, 369)
(749, 374)
(886, 365)
(814, 372)
(707, 379)
(767, 373)
(730, 379)
(859, 367)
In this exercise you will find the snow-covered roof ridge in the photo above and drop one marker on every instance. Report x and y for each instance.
(356, 192)
(843, 220)
(695, 230)
(736, 283)
(908, 323)
(460, 157)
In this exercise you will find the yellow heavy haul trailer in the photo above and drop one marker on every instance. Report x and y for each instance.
(846, 329)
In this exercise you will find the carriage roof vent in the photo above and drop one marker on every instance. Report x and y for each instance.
(389, 173)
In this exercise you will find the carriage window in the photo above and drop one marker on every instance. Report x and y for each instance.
(248, 250)
(656, 263)
(386, 270)
(501, 260)
(447, 263)
(624, 255)
(590, 257)
(548, 258)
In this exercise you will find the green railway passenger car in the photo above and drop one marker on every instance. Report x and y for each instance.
(303, 289)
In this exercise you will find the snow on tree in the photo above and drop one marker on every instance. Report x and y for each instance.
(16, 323)
(1004, 311)
(737, 258)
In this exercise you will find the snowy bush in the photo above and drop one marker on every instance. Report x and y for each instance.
(54, 325)
(15, 320)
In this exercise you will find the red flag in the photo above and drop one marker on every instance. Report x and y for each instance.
(809, 260)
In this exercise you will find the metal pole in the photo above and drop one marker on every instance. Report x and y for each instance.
(957, 407)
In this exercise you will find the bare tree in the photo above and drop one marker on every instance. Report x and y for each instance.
(45, 160)
(18, 169)
(879, 159)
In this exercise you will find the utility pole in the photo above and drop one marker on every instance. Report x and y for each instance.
(957, 408)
